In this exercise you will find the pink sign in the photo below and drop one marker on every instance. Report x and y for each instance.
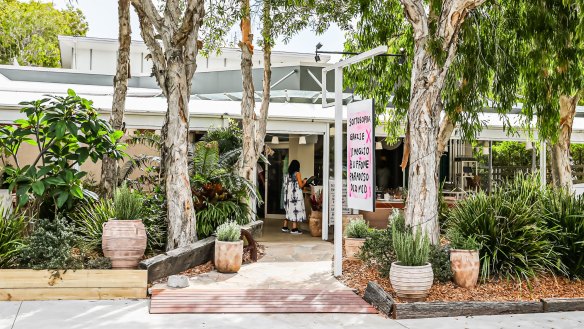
(361, 155)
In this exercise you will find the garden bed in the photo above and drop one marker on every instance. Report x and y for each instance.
(26, 284)
(357, 275)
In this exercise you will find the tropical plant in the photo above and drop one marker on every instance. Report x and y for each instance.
(357, 229)
(411, 248)
(229, 232)
(12, 231)
(128, 205)
(219, 193)
(508, 224)
(564, 212)
(50, 246)
(67, 132)
(316, 201)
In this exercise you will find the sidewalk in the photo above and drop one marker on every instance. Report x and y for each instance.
(133, 314)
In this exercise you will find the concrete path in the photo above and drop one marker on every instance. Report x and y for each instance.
(133, 314)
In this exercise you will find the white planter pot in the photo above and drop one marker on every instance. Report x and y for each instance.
(411, 283)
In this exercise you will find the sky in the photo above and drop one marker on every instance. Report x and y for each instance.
(102, 18)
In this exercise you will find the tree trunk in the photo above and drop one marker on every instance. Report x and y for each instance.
(267, 43)
(561, 149)
(109, 166)
(182, 228)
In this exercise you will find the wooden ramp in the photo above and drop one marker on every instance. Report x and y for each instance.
(257, 301)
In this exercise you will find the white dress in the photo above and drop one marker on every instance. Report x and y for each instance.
(294, 200)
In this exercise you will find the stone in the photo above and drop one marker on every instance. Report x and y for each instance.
(178, 281)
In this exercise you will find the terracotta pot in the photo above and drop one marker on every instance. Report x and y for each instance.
(228, 256)
(465, 266)
(124, 242)
(315, 223)
(353, 247)
(347, 219)
(411, 283)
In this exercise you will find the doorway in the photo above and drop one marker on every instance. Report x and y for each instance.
(274, 202)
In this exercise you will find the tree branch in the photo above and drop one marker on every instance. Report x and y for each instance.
(149, 10)
(416, 15)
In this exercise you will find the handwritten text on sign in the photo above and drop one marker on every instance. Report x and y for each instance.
(361, 155)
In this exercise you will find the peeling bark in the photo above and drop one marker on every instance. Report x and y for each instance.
(444, 134)
(174, 64)
(109, 166)
(428, 78)
(560, 163)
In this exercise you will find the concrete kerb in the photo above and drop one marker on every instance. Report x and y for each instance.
(181, 259)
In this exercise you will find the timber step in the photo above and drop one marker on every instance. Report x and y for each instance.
(257, 301)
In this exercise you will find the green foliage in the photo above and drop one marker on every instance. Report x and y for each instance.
(219, 193)
(510, 227)
(565, 213)
(67, 132)
(510, 153)
(357, 229)
(88, 219)
(459, 241)
(378, 250)
(229, 232)
(99, 263)
(154, 219)
(440, 259)
(29, 31)
(128, 205)
(12, 230)
(411, 248)
(228, 138)
(49, 246)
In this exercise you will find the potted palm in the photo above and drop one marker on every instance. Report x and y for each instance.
(464, 259)
(124, 237)
(411, 275)
(315, 220)
(228, 248)
(355, 235)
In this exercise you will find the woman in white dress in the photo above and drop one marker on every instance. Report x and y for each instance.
(294, 198)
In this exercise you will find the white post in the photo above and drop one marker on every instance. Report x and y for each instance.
(338, 266)
(325, 182)
(542, 164)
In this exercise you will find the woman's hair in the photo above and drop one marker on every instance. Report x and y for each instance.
(293, 167)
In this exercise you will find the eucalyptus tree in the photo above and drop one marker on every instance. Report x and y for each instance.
(459, 59)
(552, 72)
(172, 31)
(109, 166)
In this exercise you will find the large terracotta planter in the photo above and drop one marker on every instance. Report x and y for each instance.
(353, 247)
(411, 283)
(124, 242)
(465, 266)
(315, 223)
(228, 256)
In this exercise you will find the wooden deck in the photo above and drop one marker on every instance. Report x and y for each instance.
(257, 301)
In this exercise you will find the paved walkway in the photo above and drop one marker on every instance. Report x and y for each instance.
(133, 314)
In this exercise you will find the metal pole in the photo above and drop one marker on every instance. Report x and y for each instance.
(338, 258)
(325, 182)
(542, 164)
(490, 166)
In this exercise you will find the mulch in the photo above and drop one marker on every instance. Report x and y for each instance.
(208, 266)
(357, 274)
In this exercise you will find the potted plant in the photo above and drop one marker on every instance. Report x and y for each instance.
(228, 248)
(411, 275)
(315, 220)
(464, 259)
(356, 233)
(124, 237)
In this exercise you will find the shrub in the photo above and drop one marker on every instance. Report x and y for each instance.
(411, 248)
(440, 260)
(357, 229)
(459, 241)
(128, 205)
(515, 240)
(229, 232)
(49, 246)
(378, 250)
(12, 229)
(565, 212)
(88, 220)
